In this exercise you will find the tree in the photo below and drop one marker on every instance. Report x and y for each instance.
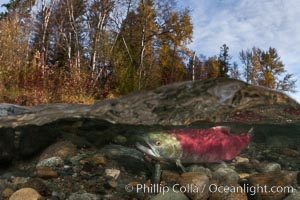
(175, 34)
(13, 48)
(134, 48)
(246, 59)
(75, 47)
(224, 59)
(169, 71)
(212, 66)
(21, 78)
(194, 68)
(151, 46)
(21, 7)
(266, 69)
(41, 35)
(235, 72)
(97, 19)
(67, 24)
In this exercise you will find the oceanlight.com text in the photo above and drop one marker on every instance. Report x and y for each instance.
(212, 188)
(250, 189)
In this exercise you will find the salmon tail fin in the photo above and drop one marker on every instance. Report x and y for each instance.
(178, 163)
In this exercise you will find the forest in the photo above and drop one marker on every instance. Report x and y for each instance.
(79, 51)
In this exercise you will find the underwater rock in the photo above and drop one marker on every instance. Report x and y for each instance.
(194, 185)
(282, 179)
(25, 193)
(112, 183)
(290, 152)
(51, 162)
(97, 159)
(38, 185)
(170, 195)
(217, 166)
(46, 173)
(61, 149)
(17, 182)
(224, 173)
(129, 158)
(293, 196)
(7, 192)
(169, 176)
(114, 173)
(197, 168)
(239, 160)
(244, 175)
(268, 167)
(81, 196)
(244, 167)
(226, 176)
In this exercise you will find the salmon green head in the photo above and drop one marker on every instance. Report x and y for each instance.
(161, 146)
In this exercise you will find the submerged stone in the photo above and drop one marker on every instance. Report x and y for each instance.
(25, 193)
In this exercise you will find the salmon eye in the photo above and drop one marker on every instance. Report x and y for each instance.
(158, 143)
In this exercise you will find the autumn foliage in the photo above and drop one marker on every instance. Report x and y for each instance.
(79, 51)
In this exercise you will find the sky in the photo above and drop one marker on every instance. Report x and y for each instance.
(242, 24)
(2, 2)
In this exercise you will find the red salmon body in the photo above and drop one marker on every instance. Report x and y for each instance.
(210, 145)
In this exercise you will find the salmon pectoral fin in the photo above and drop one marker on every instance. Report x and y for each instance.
(178, 163)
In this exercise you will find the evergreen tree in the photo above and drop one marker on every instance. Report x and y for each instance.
(246, 59)
(235, 72)
(224, 59)
(20, 7)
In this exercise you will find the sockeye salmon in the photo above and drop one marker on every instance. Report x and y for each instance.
(214, 144)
